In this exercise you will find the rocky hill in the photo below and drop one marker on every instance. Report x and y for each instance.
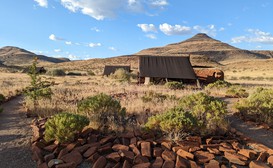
(202, 45)
(16, 56)
(268, 53)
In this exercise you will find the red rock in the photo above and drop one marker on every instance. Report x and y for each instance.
(74, 156)
(251, 154)
(37, 154)
(185, 154)
(210, 146)
(157, 163)
(168, 155)
(146, 149)
(126, 164)
(236, 145)
(66, 165)
(157, 151)
(166, 145)
(113, 157)
(128, 135)
(176, 148)
(117, 165)
(140, 159)
(193, 164)
(226, 145)
(50, 148)
(181, 162)
(234, 158)
(203, 157)
(82, 149)
(127, 155)
(194, 149)
(168, 164)
(212, 164)
(54, 162)
(133, 140)
(93, 157)
(258, 147)
(90, 152)
(86, 132)
(105, 149)
(224, 149)
(214, 151)
(188, 143)
(270, 151)
(142, 165)
(100, 163)
(62, 153)
(49, 157)
(257, 164)
(209, 140)
(135, 149)
(71, 146)
(262, 156)
(92, 138)
(270, 160)
(194, 139)
(107, 139)
(118, 147)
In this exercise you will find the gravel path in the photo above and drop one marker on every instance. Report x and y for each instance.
(256, 133)
(15, 136)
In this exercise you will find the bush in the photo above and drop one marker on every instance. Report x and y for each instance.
(174, 122)
(209, 111)
(64, 127)
(258, 105)
(152, 96)
(236, 91)
(90, 73)
(56, 72)
(175, 85)
(219, 84)
(103, 111)
(74, 74)
(2, 98)
(121, 75)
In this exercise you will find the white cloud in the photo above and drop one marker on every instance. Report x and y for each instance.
(101, 9)
(95, 29)
(94, 45)
(222, 29)
(73, 57)
(42, 3)
(112, 48)
(68, 43)
(209, 29)
(147, 27)
(151, 36)
(174, 30)
(57, 50)
(254, 36)
(55, 38)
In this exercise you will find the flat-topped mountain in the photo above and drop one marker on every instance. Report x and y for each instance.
(17, 56)
(204, 46)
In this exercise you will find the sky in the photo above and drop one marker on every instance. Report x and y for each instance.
(86, 29)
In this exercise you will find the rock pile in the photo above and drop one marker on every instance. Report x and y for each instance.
(143, 150)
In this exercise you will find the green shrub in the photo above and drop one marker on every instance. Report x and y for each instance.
(103, 111)
(175, 85)
(121, 75)
(64, 127)
(174, 122)
(219, 84)
(90, 73)
(258, 105)
(209, 111)
(74, 74)
(2, 98)
(56, 72)
(236, 91)
(152, 96)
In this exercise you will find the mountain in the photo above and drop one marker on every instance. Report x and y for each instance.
(202, 45)
(14, 56)
(268, 53)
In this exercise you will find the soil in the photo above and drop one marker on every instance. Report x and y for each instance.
(15, 136)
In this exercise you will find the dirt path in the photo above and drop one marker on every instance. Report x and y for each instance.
(257, 134)
(15, 136)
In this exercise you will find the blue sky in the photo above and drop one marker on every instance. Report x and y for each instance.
(84, 29)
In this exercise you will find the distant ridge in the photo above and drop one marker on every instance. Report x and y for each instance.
(10, 55)
(203, 46)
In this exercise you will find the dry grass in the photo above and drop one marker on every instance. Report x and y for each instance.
(12, 83)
